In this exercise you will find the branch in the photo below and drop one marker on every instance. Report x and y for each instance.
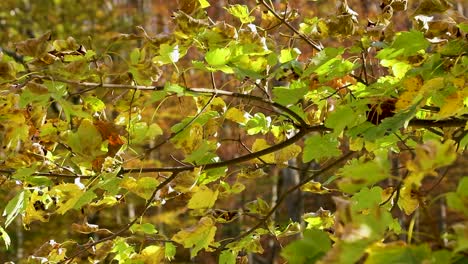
(125, 228)
(283, 197)
(425, 123)
(103, 85)
(315, 45)
(280, 107)
(301, 133)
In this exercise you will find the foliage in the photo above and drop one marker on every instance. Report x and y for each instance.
(190, 129)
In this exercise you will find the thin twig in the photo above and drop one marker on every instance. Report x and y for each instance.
(283, 197)
(125, 228)
(313, 44)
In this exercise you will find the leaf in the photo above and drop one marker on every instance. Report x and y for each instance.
(151, 255)
(429, 156)
(408, 201)
(319, 220)
(146, 228)
(241, 12)
(67, 195)
(5, 237)
(197, 237)
(16, 206)
(358, 174)
(459, 200)
(285, 154)
(313, 187)
(37, 47)
(168, 54)
(454, 103)
(204, 3)
(227, 257)
(366, 199)
(236, 115)
(259, 123)
(204, 154)
(398, 252)
(319, 147)
(170, 251)
(405, 44)
(292, 94)
(218, 57)
(289, 55)
(261, 144)
(143, 187)
(86, 141)
(202, 198)
(309, 249)
(342, 117)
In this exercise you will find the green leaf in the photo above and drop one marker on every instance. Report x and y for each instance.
(318, 147)
(241, 12)
(406, 44)
(398, 253)
(6, 238)
(359, 173)
(289, 55)
(342, 117)
(203, 154)
(292, 94)
(141, 132)
(197, 237)
(146, 228)
(168, 54)
(227, 257)
(259, 123)
(16, 206)
(463, 26)
(86, 141)
(218, 57)
(174, 88)
(311, 248)
(170, 251)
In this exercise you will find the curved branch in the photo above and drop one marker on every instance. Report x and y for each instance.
(280, 107)
(233, 161)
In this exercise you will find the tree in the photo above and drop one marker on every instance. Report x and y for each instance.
(141, 147)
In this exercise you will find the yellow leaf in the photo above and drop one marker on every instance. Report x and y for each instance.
(235, 115)
(251, 173)
(66, 194)
(193, 140)
(412, 90)
(433, 84)
(407, 200)
(185, 180)
(197, 237)
(152, 255)
(313, 187)
(261, 144)
(142, 187)
(287, 153)
(453, 104)
(413, 84)
(202, 198)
